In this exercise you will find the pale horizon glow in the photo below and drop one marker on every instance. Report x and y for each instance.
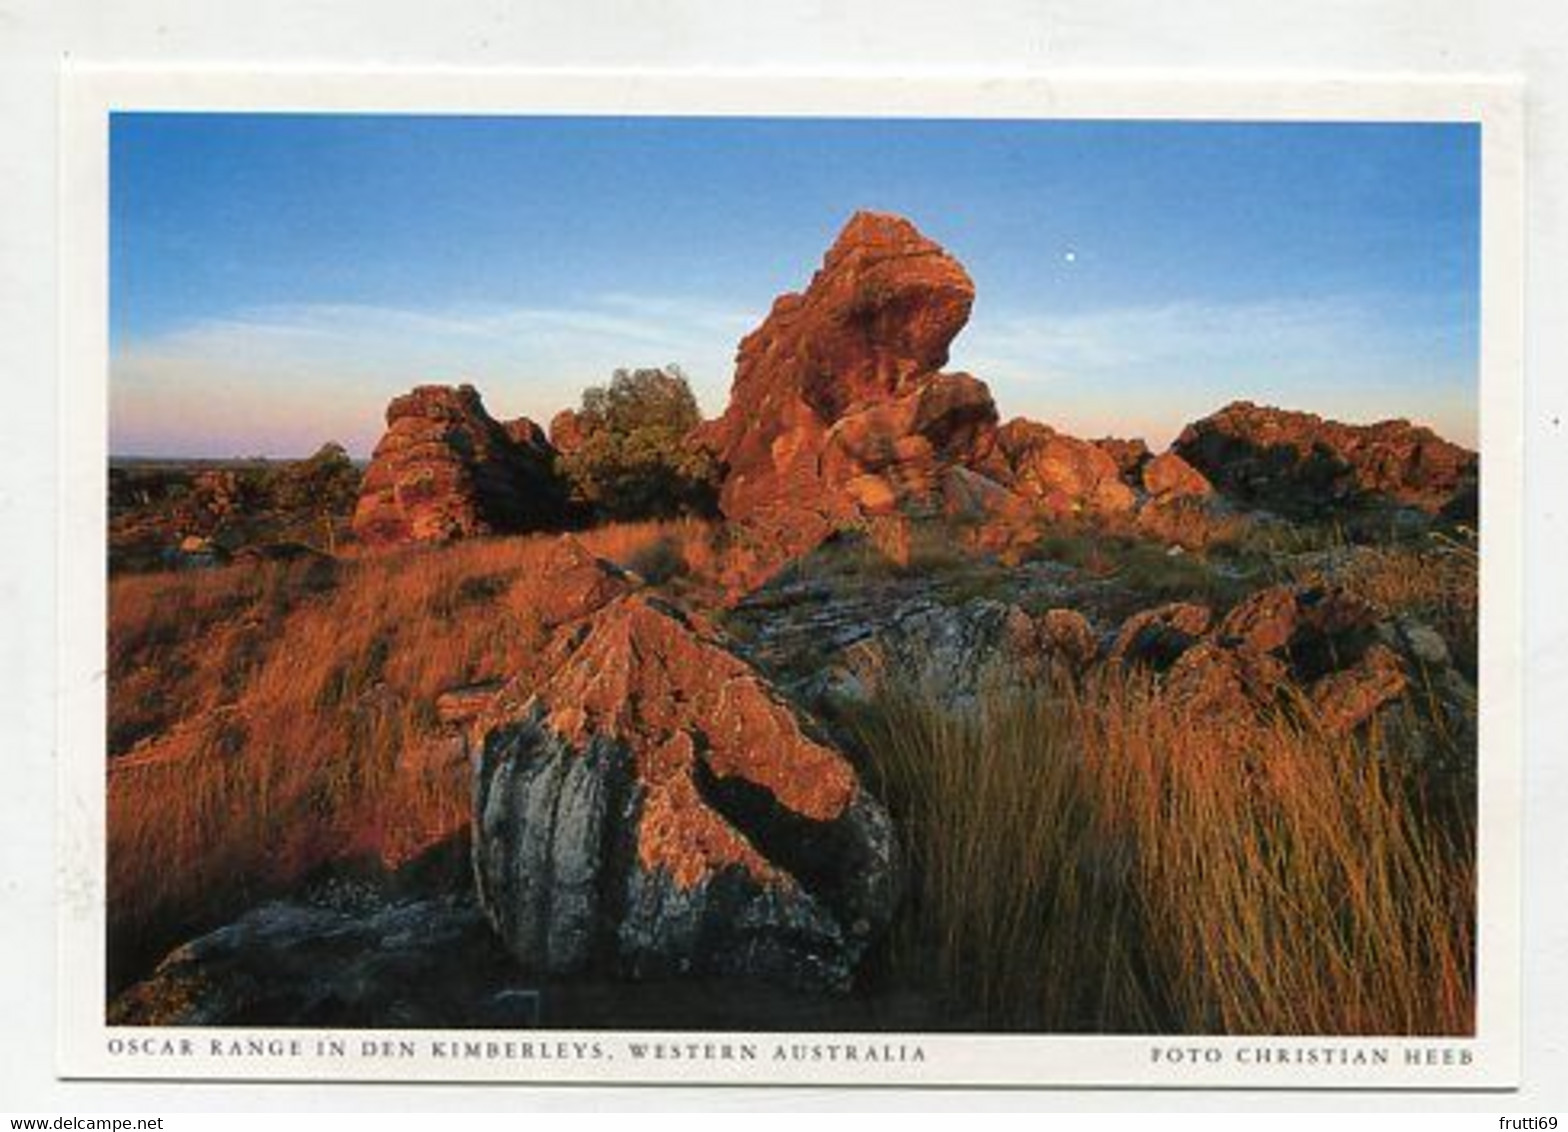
(261, 310)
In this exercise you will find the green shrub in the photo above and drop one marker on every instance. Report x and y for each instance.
(326, 483)
(633, 461)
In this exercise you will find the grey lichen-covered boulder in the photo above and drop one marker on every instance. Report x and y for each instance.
(647, 806)
(550, 819)
(950, 652)
(422, 963)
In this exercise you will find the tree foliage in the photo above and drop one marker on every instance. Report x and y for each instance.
(633, 461)
(326, 483)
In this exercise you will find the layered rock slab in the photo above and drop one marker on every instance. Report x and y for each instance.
(1322, 641)
(646, 805)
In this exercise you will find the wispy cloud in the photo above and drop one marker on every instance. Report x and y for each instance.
(285, 377)
(1149, 369)
(1182, 333)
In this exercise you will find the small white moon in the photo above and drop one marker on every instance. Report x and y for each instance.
(1069, 256)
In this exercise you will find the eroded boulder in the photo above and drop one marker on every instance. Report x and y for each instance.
(838, 407)
(1298, 462)
(1056, 642)
(445, 469)
(1167, 477)
(1345, 699)
(1061, 475)
(1157, 637)
(1219, 685)
(1322, 640)
(1321, 629)
(647, 805)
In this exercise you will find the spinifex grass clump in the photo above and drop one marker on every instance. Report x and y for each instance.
(1094, 859)
(1294, 881)
(1022, 912)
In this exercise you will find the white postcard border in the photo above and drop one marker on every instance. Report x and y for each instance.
(88, 1047)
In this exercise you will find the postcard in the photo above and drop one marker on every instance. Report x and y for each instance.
(790, 581)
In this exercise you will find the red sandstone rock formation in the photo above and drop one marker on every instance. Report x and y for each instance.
(646, 802)
(1167, 477)
(1324, 641)
(1298, 462)
(1157, 636)
(838, 408)
(1057, 641)
(1061, 474)
(840, 412)
(445, 469)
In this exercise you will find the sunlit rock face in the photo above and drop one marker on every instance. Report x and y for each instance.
(647, 805)
(1299, 462)
(445, 469)
(839, 408)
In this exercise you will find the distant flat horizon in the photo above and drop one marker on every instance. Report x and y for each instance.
(364, 457)
(276, 279)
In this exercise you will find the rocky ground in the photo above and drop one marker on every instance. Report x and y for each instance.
(672, 819)
(196, 514)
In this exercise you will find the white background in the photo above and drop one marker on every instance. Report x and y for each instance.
(1527, 38)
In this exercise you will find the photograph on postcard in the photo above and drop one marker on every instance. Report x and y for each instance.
(870, 576)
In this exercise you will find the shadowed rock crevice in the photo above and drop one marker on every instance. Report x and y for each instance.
(1302, 465)
(446, 469)
(838, 863)
(599, 843)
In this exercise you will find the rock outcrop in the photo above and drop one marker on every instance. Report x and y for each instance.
(1157, 637)
(1061, 474)
(445, 469)
(646, 805)
(1299, 463)
(839, 407)
(1168, 477)
(566, 431)
(840, 412)
(1056, 643)
(1321, 640)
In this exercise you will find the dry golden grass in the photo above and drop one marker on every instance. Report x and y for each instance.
(265, 720)
(1437, 581)
(1093, 859)
(1085, 858)
(1021, 913)
(660, 551)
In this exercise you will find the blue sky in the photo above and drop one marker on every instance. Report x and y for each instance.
(275, 279)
